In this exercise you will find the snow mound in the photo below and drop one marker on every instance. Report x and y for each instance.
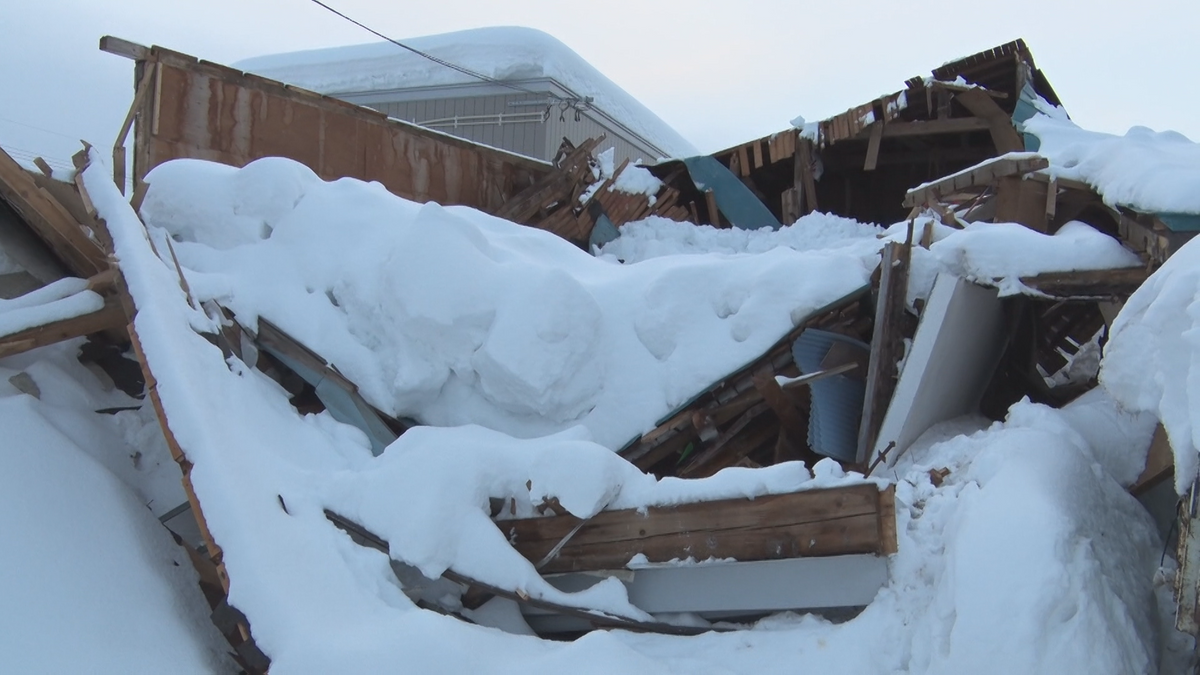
(1152, 172)
(454, 317)
(92, 582)
(506, 53)
(1152, 362)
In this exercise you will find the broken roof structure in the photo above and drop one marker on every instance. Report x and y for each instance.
(581, 433)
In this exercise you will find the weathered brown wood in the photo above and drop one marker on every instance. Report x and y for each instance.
(1022, 201)
(836, 521)
(790, 417)
(43, 167)
(985, 174)
(130, 50)
(1004, 136)
(886, 344)
(803, 176)
(872, 158)
(553, 187)
(1092, 284)
(790, 205)
(202, 110)
(49, 219)
(108, 317)
(758, 154)
(955, 125)
(743, 161)
(710, 203)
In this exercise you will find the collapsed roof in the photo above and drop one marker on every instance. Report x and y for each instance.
(323, 414)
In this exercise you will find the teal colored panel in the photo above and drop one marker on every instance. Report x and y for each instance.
(1180, 222)
(741, 206)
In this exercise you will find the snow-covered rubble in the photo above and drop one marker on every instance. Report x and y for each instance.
(1032, 526)
(455, 317)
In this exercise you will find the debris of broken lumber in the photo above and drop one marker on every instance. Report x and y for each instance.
(730, 400)
(887, 342)
(597, 619)
(811, 523)
(50, 220)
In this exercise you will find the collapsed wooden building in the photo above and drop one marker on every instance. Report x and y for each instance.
(945, 151)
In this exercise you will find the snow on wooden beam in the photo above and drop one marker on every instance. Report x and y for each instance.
(856, 519)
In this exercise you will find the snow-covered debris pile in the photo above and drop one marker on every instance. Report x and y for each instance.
(316, 601)
(454, 317)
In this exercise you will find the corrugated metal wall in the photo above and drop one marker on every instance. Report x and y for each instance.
(536, 139)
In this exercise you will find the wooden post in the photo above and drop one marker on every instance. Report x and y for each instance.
(802, 176)
(887, 344)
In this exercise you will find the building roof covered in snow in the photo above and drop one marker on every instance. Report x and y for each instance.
(521, 56)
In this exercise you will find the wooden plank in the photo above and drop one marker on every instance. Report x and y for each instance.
(108, 317)
(1004, 136)
(955, 125)
(714, 214)
(50, 220)
(985, 174)
(825, 522)
(1022, 201)
(743, 161)
(803, 175)
(1089, 284)
(758, 154)
(886, 343)
(130, 50)
(872, 158)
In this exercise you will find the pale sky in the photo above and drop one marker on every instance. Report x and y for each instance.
(719, 72)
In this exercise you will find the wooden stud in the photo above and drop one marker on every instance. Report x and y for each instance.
(873, 147)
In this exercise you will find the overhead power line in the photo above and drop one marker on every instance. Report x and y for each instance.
(564, 102)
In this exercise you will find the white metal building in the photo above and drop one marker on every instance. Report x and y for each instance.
(531, 119)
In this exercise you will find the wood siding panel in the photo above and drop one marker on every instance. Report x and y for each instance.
(205, 111)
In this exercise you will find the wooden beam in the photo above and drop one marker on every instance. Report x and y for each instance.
(984, 174)
(50, 220)
(1004, 136)
(873, 147)
(110, 316)
(1089, 284)
(886, 343)
(130, 50)
(812, 523)
(955, 125)
(1160, 463)
(803, 175)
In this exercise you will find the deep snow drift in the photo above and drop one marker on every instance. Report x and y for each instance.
(1030, 557)
(92, 582)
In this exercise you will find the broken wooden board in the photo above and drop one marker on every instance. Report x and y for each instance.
(887, 346)
(857, 519)
(50, 220)
(733, 395)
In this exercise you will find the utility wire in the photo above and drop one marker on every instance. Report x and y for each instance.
(565, 103)
(30, 126)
